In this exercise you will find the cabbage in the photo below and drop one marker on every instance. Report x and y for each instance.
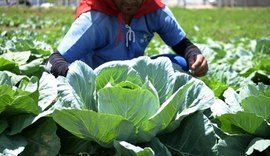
(127, 101)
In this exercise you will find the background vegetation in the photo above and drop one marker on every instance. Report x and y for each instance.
(222, 24)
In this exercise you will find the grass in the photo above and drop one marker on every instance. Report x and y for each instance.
(222, 24)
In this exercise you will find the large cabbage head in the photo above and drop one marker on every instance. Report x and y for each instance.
(131, 101)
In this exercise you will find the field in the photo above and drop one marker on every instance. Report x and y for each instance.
(226, 112)
(218, 24)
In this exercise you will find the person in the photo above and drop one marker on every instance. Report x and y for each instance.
(106, 30)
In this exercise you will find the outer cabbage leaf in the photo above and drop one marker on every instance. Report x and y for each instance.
(47, 91)
(8, 65)
(254, 90)
(181, 79)
(159, 71)
(233, 145)
(258, 144)
(18, 122)
(159, 148)
(30, 87)
(73, 144)
(260, 105)
(16, 101)
(244, 122)
(252, 107)
(12, 145)
(5, 79)
(42, 139)
(159, 121)
(3, 125)
(83, 80)
(197, 97)
(19, 57)
(126, 149)
(99, 127)
(34, 67)
(14, 79)
(220, 107)
(67, 96)
(195, 136)
(232, 100)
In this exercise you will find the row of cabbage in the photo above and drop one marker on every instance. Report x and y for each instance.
(137, 107)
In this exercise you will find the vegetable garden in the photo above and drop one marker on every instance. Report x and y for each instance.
(139, 107)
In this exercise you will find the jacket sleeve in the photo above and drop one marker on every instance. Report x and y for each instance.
(168, 27)
(82, 38)
(186, 48)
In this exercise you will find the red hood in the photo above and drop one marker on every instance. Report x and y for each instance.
(108, 7)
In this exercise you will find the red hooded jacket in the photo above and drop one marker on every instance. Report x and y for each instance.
(109, 7)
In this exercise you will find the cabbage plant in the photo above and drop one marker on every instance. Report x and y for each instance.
(245, 117)
(122, 103)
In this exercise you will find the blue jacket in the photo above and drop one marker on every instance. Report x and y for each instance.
(95, 39)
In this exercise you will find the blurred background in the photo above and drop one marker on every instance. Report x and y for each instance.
(183, 3)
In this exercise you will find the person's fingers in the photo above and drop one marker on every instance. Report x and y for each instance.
(201, 73)
(203, 66)
(195, 61)
(199, 65)
(191, 61)
(203, 69)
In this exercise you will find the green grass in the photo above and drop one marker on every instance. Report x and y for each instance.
(224, 24)
(221, 24)
(24, 12)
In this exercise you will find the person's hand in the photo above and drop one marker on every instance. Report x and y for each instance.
(198, 65)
